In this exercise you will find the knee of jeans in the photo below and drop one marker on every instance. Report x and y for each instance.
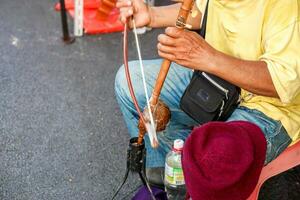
(120, 81)
(121, 86)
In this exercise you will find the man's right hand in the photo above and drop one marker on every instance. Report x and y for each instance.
(136, 8)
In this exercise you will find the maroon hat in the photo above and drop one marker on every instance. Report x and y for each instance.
(223, 160)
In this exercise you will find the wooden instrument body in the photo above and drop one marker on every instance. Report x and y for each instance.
(161, 112)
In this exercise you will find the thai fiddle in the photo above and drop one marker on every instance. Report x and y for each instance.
(161, 112)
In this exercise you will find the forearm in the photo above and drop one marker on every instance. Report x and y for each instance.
(252, 76)
(188, 49)
(165, 16)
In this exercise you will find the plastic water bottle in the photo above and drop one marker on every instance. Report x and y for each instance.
(174, 180)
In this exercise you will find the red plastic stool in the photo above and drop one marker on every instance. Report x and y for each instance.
(288, 159)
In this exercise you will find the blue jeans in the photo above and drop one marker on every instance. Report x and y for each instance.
(181, 124)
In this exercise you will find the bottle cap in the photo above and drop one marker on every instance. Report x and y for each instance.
(178, 144)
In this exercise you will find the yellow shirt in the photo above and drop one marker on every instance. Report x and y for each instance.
(267, 30)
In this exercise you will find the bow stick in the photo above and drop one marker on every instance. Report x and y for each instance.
(105, 8)
(146, 119)
(156, 107)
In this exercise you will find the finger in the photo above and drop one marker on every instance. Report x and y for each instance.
(123, 19)
(193, 36)
(125, 13)
(166, 40)
(167, 56)
(121, 4)
(130, 23)
(173, 32)
(166, 49)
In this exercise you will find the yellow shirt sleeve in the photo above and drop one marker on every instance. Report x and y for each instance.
(282, 55)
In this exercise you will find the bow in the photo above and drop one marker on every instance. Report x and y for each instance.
(146, 122)
(146, 119)
(156, 109)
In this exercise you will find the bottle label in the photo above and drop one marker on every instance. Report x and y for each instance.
(174, 176)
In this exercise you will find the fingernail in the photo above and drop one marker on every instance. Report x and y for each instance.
(129, 3)
(159, 37)
(130, 12)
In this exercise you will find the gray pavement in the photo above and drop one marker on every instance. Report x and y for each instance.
(61, 133)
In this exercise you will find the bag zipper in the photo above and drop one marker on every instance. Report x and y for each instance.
(216, 84)
(221, 109)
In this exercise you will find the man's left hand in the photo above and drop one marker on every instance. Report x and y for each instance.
(186, 48)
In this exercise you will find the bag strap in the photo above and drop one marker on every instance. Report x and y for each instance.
(204, 21)
(202, 31)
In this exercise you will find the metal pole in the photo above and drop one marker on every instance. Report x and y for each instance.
(66, 36)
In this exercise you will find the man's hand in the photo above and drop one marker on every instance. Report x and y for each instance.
(190, 50)
(186, 48)
(136, 8)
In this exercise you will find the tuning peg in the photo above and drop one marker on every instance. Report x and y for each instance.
(188, 26)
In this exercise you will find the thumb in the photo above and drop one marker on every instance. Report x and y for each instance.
(173, 32)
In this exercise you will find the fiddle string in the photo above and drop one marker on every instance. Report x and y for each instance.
(152, 128)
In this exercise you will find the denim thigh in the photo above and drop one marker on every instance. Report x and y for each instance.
(277, 137)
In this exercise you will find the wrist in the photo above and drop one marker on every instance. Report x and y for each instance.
(151, 16)
(214, 62)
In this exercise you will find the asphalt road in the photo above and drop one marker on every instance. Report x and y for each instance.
(61, 133)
